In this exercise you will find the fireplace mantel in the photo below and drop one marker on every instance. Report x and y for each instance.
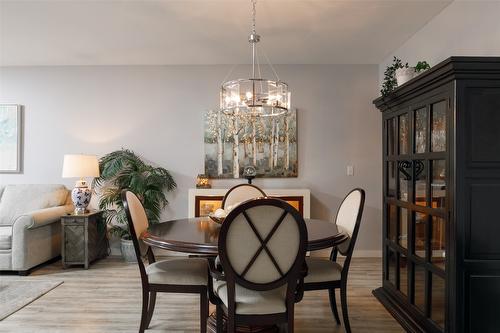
(211, 199)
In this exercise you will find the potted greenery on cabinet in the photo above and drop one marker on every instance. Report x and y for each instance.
(398, 73)
(123, 169)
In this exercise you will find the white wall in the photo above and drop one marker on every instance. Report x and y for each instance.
(468, 28)
(157, 111)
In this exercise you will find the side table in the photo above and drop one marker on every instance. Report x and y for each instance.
(84, 238)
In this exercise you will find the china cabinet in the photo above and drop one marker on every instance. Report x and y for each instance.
(441, 230)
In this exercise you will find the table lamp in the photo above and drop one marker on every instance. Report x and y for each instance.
(79, 166)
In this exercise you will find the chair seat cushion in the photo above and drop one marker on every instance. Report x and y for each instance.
(253, 302)
(322, 270)
(5, 237)
(183, 271)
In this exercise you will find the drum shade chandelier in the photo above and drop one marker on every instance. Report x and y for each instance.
(255, 97)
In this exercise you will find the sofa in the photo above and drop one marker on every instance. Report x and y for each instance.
(30, 228)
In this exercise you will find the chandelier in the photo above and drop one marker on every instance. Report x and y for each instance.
(255, 97)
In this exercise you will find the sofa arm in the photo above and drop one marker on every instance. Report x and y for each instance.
(36, 237)
(39, 218)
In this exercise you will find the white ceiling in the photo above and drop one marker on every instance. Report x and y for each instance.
(206, 31)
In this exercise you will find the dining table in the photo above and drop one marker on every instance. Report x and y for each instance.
(200, 236)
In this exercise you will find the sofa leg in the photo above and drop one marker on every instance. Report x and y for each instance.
(23, 273)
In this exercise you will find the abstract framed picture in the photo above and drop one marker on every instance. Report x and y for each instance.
(11, 145)
(269, 144)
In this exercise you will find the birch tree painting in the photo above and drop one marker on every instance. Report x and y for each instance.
(267, 143)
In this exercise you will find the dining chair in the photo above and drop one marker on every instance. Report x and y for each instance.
(180, 275)
(324, 273)
(240, 193)
(262, 247)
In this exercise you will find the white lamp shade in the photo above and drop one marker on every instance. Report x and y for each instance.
(76, 166)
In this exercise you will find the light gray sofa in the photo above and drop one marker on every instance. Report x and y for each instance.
(30, 228)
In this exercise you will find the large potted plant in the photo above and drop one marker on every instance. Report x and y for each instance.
(123, 169)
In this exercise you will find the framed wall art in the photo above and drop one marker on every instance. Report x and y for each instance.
(269, 144)
(11, 138)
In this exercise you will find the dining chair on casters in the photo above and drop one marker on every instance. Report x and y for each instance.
(262, 248)
(239, 193)
(326, 273)
(180, 275)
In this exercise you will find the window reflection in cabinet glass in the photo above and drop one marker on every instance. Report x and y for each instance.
(420, 182)
(419, 287)
(438, 302)
(392, 265)
(391, 179)
(404, 129)
(404, 171)
(438, 129)
(391, 136)
(403, 274)
(438, 242)
(392, 230)
(403, 227)
(438, 184)
(420, 231)
(420, 130)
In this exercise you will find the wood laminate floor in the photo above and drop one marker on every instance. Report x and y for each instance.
(107, 298)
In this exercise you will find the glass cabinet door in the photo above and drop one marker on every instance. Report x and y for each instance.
(416, 162)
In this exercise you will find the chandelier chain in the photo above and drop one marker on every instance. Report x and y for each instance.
(254, 13)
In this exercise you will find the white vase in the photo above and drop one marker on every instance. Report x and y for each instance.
(404, 75)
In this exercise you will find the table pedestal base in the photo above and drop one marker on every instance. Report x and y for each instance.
(212, 326)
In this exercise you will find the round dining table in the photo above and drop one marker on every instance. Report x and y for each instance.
(200, 235)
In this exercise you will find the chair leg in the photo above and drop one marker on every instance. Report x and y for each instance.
(231, 324)
(151, 308)
(203, 311)
(343, 301)
(144, 314)
(218, 314)
(290, 319)
(333, 305)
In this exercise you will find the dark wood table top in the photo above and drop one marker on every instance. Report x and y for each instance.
(200, 235)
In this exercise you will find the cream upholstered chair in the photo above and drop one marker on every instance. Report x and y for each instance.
(239, 193)
(326, 273)
(262, 247)
(182, 275)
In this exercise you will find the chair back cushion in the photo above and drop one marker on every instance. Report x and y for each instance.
(240, 193)
(137, 218)
(25, 198)
(349, 215)
(261, 242)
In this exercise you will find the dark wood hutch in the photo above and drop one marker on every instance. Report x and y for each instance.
(441, 230)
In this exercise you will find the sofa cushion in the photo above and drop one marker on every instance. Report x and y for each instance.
(21, 199)
(5, 237)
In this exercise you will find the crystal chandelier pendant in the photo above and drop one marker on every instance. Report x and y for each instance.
(255, 97)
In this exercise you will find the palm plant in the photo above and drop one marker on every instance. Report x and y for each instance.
(123, 169)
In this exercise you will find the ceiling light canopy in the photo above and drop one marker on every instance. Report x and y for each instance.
(255, 97)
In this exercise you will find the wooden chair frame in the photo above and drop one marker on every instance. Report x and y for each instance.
(342, 283)
(238, 186)
(149, 290)
(294, 277)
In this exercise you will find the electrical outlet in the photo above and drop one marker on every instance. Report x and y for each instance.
(350, 170)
